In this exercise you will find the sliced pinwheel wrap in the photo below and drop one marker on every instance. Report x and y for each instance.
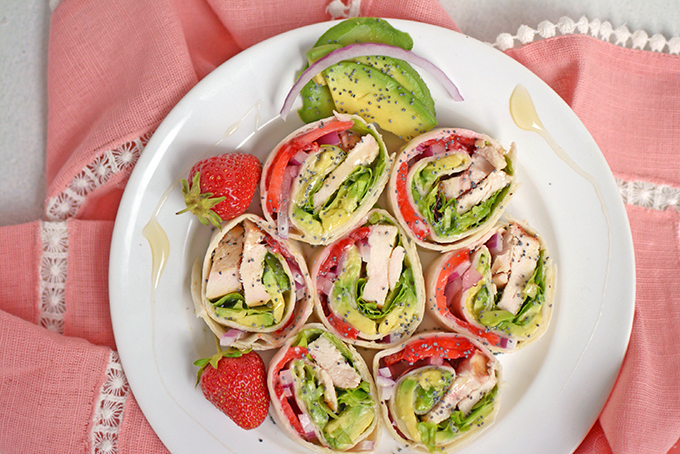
(449, 186)
(252, 288)
(368, 285)
(438, 390)
(323, 395)
(500, 291)
(323, 178)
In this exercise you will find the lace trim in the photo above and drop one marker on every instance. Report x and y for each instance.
(639, 39)
(649, 195)
(108, 414)
(122, 159)
(53, 273)
(339, 9)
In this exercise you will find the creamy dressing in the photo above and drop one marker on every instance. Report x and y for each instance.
(525, 117)
(154, 232)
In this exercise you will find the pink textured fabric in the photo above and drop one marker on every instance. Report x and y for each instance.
(20, 251)
(48, 389)
(88, 316)
(117, 68)
(629, 100)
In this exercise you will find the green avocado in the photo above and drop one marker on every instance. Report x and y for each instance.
(316, 94)
(432, 385)
(405, 401)
(410, 116)
(344, 293)
(369, 93)
(427, 173)
(246, 317)
(317, 102)
(313, 172)
(365, 29)
(342, 432)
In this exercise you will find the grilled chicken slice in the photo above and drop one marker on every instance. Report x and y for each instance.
(381, 240)
(482, 191)
(252, 266)
(395, 266)
(223, 278)
(363, 153)
(524, 258)
(457, 186)
(329, 358)
(473, 379)
(329, 394)
(493, 155)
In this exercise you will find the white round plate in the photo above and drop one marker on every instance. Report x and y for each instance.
(554, 389)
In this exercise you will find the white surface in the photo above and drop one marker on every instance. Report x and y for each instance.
(552, 393)
(24, 28)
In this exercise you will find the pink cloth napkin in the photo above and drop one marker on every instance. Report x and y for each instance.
(116, 70)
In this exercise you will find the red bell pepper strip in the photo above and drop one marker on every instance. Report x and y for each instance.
(293, 353)
(274, 178)
(345, 329)
(441, 304)
(414, 221)
(340, 247)
(447, 347)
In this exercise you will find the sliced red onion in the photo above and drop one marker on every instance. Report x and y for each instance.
(286, 377)
(495, 243)
(282, 225)
(307, 425)
(386, 339)
(385, 386)
(300, 293)
(508, 343)
(299, 158)
(385, 372)
(230, 337)
(452, 288)
(332, 138)
(438, 148)
(324, 284)
(287, 392)
(459, 270)
(435, 360)
(364, 50)
(470, 278)
(366, 445)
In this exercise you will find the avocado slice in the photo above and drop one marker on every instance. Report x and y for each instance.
(317, 102)
(404, 312)
(365, 29)
(342, 432)
(343, 294)
(427, 171)
(246, 317)
(316, 95)
(404, 403)
(361, 90)
(313, 172)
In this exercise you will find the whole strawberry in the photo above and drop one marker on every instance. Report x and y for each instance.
(221, 187)
(235, 382)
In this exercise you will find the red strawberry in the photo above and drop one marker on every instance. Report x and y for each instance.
(235, 382)
(221, 187)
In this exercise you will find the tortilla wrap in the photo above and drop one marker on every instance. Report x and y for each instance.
(449, 186)
(324, 182)
(380, 300)
(284, 313)
(468, 292)
(288, 391)
(463, 379)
